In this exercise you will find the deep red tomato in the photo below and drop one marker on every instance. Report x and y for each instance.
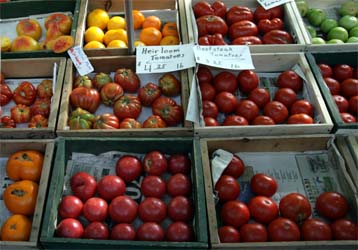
(203, 8)
(211, 24)
(168, 110)
(153, 186)
(128, 168)
(353, 105)
(150, 231)
(253, 232)
(325, 69)
(179, 184)
(349, 87)
(246, 40)
(7, 122)
(100, 79)
(263, 120)
(235, 120)
(302, 107)
(127, 106)
(277, 37)
(204, 74)
(110, 186)
(283, 229)
(169, 85)
(180, 208)
(234, 213)
(341, 102)
(295, 207)
(210, 122)
(263, 209)
(110, 93)
(148, 93)
(210, 109)
(332, 205)
(333, 85)
(69, 228)
(20, 113)
(208, 91)
(248, 81)
(315, 229)
(290, 79)
(83, 185)
(128, 79)
(266, 25)
(25, 93)
(238, 13)
(262, 184)
(129, 123)
(227, 188)
(235, 168)
(228, 234)
(219, 8)
(154, 121)
(5, 94)
(70, 207)
(226, 102)
(106, 121)
(247, 109)
(286, 96)
(355, 72)
(179, 232)
(38, 121)
(225, 81)
(348, 118)
(85, 98)
(42, 107)
(261, 13)
(342, 72)
(242, 28)
(123, 231)
(216, 39)
(96, 230)
(277, 111)
(179, 163)
(95, 209)
(260, 96)
(344, 229)
(123, 209)
(155, 163)
(152, 209)
(300, 119)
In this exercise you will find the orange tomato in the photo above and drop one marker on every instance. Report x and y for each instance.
(170, 29)
(20, 197)
(150, 36)
(16, 228)
(25, 165)
(152, 21)
(169, 40)
(138, 19)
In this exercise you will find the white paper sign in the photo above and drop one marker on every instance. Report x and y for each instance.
(193, 113)
(80, 60)
(268, 4)
(236, 57)
(160, 59)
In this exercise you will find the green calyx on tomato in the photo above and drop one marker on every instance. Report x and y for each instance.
(81, 119)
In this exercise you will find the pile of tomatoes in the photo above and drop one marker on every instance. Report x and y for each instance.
(24, 167)
(261, 219)
(33, 104)
(239, 25)
(165, 211)
(342, 81)
(220, 96)
(126, 97)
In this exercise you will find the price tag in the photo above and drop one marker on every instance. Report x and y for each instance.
(80, 60)
(159, 59)
(235, 57)
(268, 4)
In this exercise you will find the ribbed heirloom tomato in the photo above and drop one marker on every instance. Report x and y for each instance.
(148, 93)
(5, 94)
(127, 106)
(127, 79)
(25, 93)
(85, 98)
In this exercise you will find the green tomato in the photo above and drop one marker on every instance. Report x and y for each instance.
(328, 24)
(303, 7)
(338, 33)
(353, 32)
(349, 8)
(348, 22)
(311, 30)
(318, 40)
(316, 16)
(352, 39)
(335, 41)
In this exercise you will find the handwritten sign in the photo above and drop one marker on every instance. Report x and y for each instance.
(268, 4)
(234, 57)
(80, 60)
(159, 59)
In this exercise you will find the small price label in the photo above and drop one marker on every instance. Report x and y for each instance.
(268, 4)
(235, 57)
(80, 60)
(159, 59)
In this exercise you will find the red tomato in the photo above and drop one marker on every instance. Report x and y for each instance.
(302, 107)
(203, 8)
(246, 40)
(234, 213)
(204, 74)
(242, 28)
(96, 230)
(348, 118)
(210, 122)
(238, 13)
(286, 96)
(210, 109)
(315, 229)
(110, 93)
(20, 113)
(106, 121)
(333, 85)
(263, 120)
(247, 109)
(180, 208)
(260, 96)
(225, 81)
(219, 8)
(253, 232)
(226, 102)
(262, 184)
(353, 105)
(235, 168)
(349, 87)
(25, 93)
(155, 163)
(154, 121)
(295, 206)
(179, 163)
(123, 231)
(261, 13)
(152, 209)
(248, 81)
(42, 107)
(83, 185)
(179, 232)
(128, 168)
(282, 229)
(228, 234)
(85, 98)
(332, 205)
(150, 231)
(129, 123)
(128, 79)
(300, 119)
(168, 110)
(355, 72)
(123, 209)
(341, 102)
(211, 24)
(325, 69)
(38, 121)
(110, 186)
(277, 111)
(208, 91)
(342, 72)
(344, 229)
(69, 228)
(95, 209)
(169, 85)
(70, 207)
(277, 37)
(235, 120)
(263, 209)
(216, 39)
(179, 184)
(5, 94)
(266, 25)
(290, 79)
(127, 106)
(148, 93)
(153, 186)
(227, 188)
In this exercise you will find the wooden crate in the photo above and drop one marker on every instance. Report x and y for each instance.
(330, 58)
(267, 145)
(35, 68)
(16, 9)
(269, 63)
(131, 145)
(290, 25)
(8, 147)
(107, 65)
